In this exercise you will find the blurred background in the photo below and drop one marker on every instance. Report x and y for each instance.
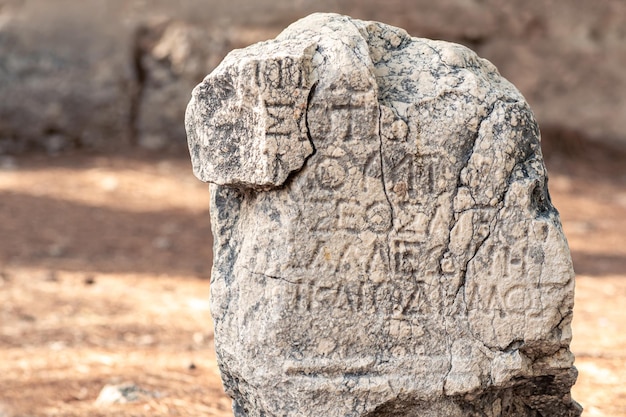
(102, 75)
(104, 232)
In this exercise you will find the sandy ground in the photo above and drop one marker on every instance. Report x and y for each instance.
(104, 266)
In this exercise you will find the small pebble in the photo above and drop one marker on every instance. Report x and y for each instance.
(124, 394)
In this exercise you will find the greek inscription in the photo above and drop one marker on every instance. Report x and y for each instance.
(406, 255)
(427, 176)
(415, 224)
(387, 298)
(330, 174)
(276, 74)
(325, 295)
(378, 217)
(371, 167)
(404, 171)
(377, 265)
(321, 255)
(278, 124)
(332, 256)
(515, 299)
(341, 119)
(354, 116)
(308, 256)
(414, 177)
(508, 261)
(349, 215)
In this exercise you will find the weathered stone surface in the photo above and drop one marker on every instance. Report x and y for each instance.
(255, 104)
(394, 253)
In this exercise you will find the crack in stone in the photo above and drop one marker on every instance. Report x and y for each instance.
(478, 247)
(275, 277)
(382, 177)
(450, 357)
(455, 216)
(289, 180)
(370, 65)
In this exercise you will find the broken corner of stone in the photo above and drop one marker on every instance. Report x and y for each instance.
(385, 244)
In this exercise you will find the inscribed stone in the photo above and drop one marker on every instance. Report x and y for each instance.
(385, 242)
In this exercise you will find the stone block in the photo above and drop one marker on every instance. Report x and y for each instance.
(385, 243)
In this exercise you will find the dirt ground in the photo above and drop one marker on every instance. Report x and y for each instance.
(104, 267)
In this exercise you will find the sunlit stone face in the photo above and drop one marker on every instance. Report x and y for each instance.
(412, 264)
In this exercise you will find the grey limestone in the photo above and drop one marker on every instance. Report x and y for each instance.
(385, 244)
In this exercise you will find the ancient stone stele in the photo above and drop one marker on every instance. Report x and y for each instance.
(385, 244)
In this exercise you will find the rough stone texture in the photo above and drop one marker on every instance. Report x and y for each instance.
(413, 264)
(256, 101)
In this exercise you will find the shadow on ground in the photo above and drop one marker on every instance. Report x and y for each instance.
(60, 234)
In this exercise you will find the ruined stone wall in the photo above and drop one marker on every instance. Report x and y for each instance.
(111, 74)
